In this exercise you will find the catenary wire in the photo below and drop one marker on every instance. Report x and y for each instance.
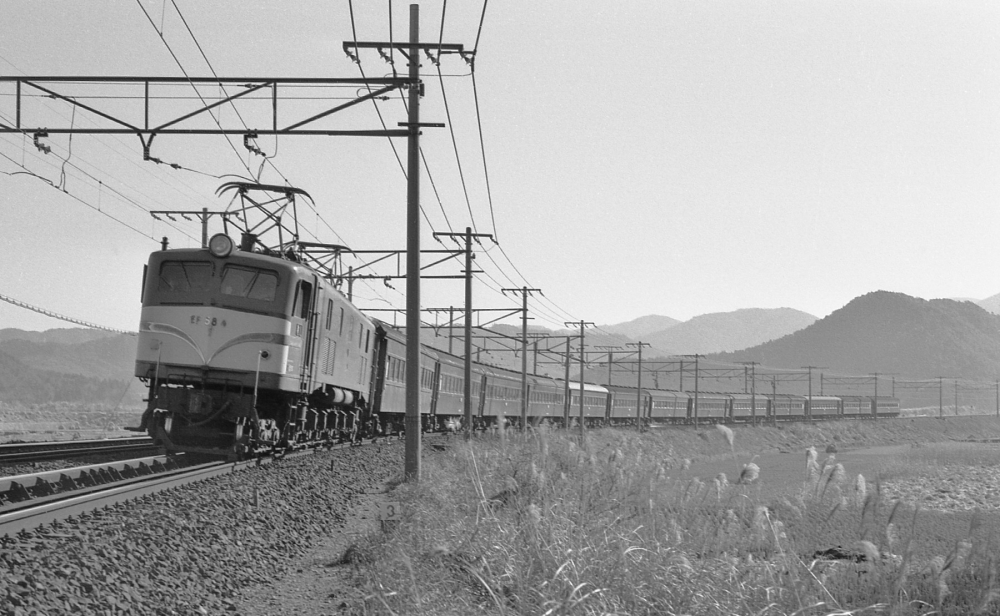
(184, 71)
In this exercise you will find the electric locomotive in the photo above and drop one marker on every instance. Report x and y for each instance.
(246, 351)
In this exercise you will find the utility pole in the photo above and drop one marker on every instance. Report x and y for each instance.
(774, 400)
(412, 419)
(467, 372)
(412, 422)
(680, 387)
(753, 390)
(566, 397)
(610, 408)
(638, 395)
(451, 328)
(583, 351)
(956, 397)
(875, 404)
(525, 292)
(610, 350)
(940, 397)
(810, 369)
(696, 356)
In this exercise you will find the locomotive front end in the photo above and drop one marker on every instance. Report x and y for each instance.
(219, 347)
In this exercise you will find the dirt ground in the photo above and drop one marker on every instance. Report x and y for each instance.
(320, 585)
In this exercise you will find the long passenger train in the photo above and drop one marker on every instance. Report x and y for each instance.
(245, 352)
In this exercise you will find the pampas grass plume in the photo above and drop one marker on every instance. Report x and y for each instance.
(891, 535)
(860, 490)
(749, 474)
(871, 552)
(727, 433)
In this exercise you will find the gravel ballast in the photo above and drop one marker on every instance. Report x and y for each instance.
(195, 549)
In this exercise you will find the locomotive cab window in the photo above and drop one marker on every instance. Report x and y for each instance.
(249, 282)
(184, 277)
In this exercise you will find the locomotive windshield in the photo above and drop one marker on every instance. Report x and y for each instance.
(249, 282)
(195, 283)
(184, 277)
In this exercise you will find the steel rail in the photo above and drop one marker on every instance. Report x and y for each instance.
(47, 508)
(12, 453)
(35, 515)
(79, 476)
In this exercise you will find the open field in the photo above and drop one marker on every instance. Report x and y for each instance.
(706, 521)
(63, 420)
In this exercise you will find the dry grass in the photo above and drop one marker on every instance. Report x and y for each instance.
(542, 524)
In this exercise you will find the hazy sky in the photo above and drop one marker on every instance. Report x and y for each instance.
(674, 158)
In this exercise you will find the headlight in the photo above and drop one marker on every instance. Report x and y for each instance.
(220, 245)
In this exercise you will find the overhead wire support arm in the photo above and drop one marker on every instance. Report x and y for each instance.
(115, 122)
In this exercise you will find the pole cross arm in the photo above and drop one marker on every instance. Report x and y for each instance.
(405, 48)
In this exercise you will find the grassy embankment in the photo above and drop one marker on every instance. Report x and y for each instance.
(624, 524)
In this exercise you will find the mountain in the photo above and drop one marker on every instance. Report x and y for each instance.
(637, 328)
(990, 304)
(68, 365)
(892, 333)
(107, 357)
(729, 331)
(23, 384)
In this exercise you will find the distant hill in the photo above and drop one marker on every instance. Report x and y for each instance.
(730, 331)
(107, 357)
(990, 304)
(68, 365)
(24, 384)
(892, 332)
(74, 335)
(637, 328)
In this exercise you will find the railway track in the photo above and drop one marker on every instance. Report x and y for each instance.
(26, 453)
(28, 501)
